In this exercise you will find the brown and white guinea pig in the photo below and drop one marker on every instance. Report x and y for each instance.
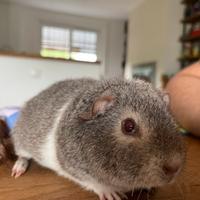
(110, 136)
(3, 133)
(6, 147)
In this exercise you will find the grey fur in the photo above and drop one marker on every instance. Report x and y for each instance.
(89, 149)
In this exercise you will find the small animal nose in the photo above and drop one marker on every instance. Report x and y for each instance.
(171, 168)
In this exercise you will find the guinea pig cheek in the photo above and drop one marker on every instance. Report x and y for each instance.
(151, 174)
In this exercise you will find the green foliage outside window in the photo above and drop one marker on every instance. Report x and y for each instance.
(55, 53)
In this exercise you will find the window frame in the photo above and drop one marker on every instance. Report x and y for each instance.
(71, 28)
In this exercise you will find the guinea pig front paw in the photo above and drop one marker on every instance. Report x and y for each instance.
(112, 195)
(19, 167)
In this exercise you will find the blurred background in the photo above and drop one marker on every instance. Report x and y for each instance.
(44, 41)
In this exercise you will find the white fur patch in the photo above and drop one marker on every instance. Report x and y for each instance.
(49, 158)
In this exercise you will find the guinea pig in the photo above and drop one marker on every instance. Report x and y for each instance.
(6, 147)
(109, 136)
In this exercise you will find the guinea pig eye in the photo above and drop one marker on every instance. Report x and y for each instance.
(128, 126)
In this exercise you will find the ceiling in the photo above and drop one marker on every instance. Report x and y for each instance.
(117, 9)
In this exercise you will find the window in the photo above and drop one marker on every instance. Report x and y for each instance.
(55, 42)
(83, 45)
(67, 43)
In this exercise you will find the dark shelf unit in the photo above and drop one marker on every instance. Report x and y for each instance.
(188, 2)
(190, 38)
(192, 19)
(191, 59)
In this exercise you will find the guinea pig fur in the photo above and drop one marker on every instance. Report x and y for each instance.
(109, 136)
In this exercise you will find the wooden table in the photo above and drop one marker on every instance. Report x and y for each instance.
(42, 184)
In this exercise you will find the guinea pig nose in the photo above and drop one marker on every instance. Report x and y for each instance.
(171, 168)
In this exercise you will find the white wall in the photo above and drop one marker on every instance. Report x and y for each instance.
(25, 26)
(4, 25)
(174, 27)
(154, 30)
(22, 78)
(115, 49)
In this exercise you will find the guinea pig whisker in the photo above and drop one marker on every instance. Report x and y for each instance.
(122, 195)
(189, 176)
(132, 192)
(140, 192)
(180, 190)
(148, 196)
(192, 165)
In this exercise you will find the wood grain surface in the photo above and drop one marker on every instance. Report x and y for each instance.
(42, 184)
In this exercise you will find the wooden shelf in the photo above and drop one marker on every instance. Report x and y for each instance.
(37, 56)
(189, 58)
(192, 19)
(188, 1)
(190, 39)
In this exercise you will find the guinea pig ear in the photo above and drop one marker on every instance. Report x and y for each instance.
(102, 104)
(99, 106)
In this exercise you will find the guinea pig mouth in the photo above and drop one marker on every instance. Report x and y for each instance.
(170, 176)
(168, 179)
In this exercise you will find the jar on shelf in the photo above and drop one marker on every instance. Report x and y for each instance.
(196, 50)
